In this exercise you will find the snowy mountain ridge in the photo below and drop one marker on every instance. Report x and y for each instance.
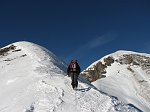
(116, 55)
(32, 79)
(124, 74)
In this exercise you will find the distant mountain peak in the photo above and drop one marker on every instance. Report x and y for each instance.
(124, 74)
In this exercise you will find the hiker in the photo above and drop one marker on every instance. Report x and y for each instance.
(74, 71)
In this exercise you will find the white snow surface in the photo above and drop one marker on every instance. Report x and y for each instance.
(129, 87)
(34, 80)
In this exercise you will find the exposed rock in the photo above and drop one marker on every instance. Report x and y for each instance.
(98, 70)
(126, 59)
(5, 51)
(135, 59)
(108, 61)
(130, 69)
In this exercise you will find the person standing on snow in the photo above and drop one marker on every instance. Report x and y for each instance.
(74, 71)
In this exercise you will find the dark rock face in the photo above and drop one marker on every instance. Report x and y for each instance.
(108, 61)
(135, 59)
(98, 70)
(126, 59)
(5, 51)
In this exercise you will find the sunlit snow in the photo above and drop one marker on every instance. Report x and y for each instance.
(35, 80)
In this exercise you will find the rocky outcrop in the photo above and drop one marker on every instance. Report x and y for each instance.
(108, 61)
(98, 70)
(135, 59)
(4, 51)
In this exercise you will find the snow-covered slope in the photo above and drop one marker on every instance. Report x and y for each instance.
(127, 77)
(32, 79)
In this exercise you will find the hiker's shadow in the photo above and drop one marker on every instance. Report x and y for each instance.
(84, 89)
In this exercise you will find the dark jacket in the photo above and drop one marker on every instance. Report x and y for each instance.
(78, 70)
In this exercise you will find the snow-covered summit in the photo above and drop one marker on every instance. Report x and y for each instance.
(124, 74)
(32, 79)
(116, 55)
(41, 54)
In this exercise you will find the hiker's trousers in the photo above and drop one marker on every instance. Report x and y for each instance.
(74, 78)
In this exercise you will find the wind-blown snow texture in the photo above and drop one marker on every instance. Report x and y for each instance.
(32, 79)
(129, 83)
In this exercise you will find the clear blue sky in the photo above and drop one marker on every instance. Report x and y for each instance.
(77, 29)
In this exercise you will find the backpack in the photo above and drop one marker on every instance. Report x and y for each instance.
(73, 66)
